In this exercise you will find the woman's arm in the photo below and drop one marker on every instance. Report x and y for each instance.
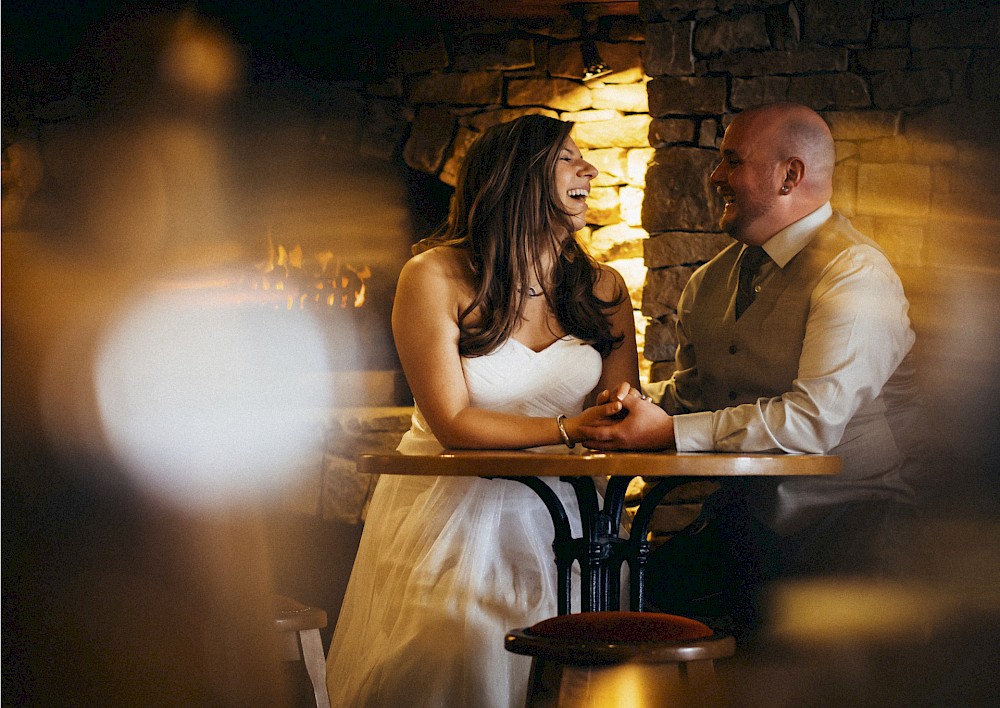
(429, 296)
(622, 364)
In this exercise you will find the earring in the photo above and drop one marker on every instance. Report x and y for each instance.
(785, 189)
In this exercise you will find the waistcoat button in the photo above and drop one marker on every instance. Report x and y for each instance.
(732, 348)
(732, 395)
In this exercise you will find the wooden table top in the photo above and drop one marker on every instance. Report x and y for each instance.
(523, 463)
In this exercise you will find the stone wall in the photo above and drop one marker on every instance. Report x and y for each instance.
(451, 82)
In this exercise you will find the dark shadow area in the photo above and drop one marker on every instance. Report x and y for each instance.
(113, 598)
(429, 198)
(312, 560)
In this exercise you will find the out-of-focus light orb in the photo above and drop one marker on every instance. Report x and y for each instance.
(199, 60)
(199, 401)
(828, 611)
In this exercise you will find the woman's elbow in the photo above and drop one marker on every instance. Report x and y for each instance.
(454, 437)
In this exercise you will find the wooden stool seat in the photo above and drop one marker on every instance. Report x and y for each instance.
(608, 659)
(292, 616)
(299, 627)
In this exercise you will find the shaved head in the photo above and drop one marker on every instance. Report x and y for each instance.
(794, 130)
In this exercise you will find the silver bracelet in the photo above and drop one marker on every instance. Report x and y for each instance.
(562, 432)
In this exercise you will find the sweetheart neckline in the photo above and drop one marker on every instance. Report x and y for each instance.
(546, 347)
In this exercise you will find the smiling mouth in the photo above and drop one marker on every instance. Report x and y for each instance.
(578, 194)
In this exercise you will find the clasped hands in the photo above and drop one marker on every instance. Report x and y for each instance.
(624, 419)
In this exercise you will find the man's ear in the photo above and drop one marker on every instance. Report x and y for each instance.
(795, 172)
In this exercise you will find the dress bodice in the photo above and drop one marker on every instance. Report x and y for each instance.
(516, 379)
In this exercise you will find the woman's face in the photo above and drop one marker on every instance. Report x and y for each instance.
(573, 175)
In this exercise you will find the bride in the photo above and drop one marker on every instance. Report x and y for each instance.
(506, 329)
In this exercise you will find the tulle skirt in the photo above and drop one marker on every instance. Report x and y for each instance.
(445, 568)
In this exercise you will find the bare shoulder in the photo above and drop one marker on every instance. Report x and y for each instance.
(441, 274)
(609, 284)
(441, 262)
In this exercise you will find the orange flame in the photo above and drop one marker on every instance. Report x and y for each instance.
(325, 281)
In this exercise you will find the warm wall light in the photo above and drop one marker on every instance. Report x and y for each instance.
(593, 66)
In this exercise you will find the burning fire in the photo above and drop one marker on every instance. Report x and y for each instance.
(326, 283)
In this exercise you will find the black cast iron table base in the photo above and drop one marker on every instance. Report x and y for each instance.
(601, 551)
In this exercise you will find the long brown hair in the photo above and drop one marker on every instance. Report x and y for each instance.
(505, 214)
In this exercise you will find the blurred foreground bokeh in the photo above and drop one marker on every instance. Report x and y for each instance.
(146, 416)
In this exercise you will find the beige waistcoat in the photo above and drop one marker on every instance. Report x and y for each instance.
(758, 356)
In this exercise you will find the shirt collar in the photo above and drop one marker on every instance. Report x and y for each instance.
(785, 244)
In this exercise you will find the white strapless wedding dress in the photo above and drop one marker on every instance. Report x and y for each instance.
(448, 565)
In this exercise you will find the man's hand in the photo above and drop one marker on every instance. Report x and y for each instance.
(644, 425)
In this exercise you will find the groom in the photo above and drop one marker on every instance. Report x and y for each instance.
(794, 338)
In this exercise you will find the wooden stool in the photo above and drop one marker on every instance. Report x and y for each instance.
(611, 659)
(298, 625)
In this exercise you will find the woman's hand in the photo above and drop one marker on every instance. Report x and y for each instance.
(639, 424)
(596, 416)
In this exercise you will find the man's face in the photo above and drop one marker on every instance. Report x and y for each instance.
(749, 178)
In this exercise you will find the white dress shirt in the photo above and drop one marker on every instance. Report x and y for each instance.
(857, 334)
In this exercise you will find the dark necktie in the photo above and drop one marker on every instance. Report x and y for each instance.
(750, 263)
